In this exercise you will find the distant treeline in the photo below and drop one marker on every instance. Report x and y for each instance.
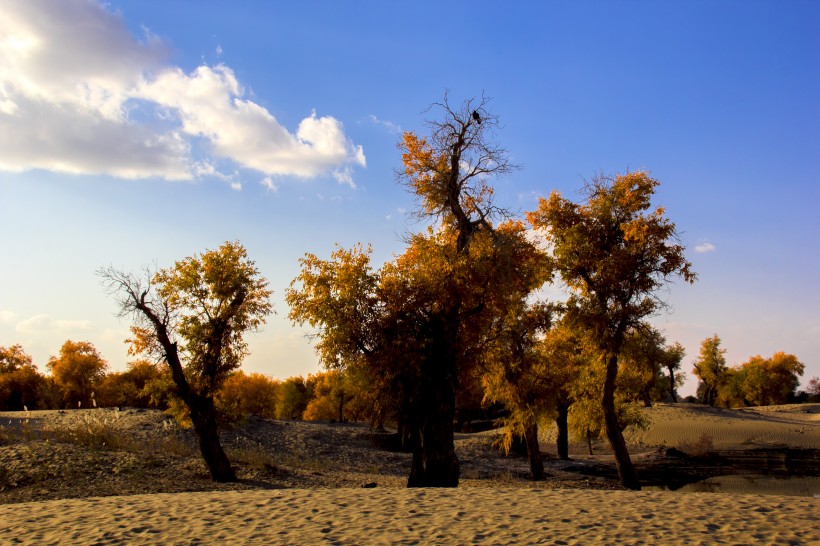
(79, 378)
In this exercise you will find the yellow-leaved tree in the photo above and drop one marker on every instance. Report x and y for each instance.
(614, 252)
(194, 316)
(78, 370)
(418, 323)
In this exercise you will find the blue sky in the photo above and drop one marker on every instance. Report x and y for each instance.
(139, 132)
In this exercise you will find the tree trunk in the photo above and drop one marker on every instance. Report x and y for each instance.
(626, 470)
(562, 441)
(672, 393)
(342, 408)
(416, 478)
(203, 414)
(534, 452)
(646, 393)
(435, 463)
(589, 441)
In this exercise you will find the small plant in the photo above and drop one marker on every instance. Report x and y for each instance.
(93, 430)
(700, 447)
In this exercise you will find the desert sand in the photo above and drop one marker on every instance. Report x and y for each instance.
(302, 484)
(676, 425)
(402, 516)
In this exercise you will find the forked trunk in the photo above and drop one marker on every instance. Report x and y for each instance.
(562, 441)
(626, 470)
(203, 415)
(534, 452)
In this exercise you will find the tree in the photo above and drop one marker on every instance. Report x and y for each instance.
(331, 393)
(20, 383)
(194, 316)
(248, 394)
(77, 371)
(710, 368)
(293, 398)
(672, 362)
(418, 322)
(128, 388)
(519, 376)
(769, 381)
(646, 356)
(614, 254)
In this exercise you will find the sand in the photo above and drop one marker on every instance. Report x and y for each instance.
(393, 516)
(468, 515)
(795, 425)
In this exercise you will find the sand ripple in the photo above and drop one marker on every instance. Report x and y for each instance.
(390, 516)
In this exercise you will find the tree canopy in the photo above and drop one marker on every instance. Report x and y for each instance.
(194, 316)
(614, 253)
(77, 371)
(418, 322)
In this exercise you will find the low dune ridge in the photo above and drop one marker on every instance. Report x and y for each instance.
(795, 425)
(692, 425)
(412, 516)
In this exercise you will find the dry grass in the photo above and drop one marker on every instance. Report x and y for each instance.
(700, 447)
(100, 430)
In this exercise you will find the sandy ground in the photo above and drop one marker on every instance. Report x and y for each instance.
(348, 514)
(686, 425)
(796, 425)
(391, 516)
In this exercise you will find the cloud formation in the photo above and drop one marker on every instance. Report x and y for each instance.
(392, 128)
(80, 94)
(705, 247)
(39, 324)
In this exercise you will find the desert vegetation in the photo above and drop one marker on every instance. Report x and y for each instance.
(453, 330)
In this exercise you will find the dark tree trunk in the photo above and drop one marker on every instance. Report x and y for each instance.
(416, 478)
(626, 470)
(342, 401)
(534, 452)
(646, 395)
(203, 414)
(434, 457)
(672, 393)
(589, 441)
(562, 441)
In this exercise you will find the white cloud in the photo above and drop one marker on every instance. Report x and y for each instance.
(269, 184)
(705, 247)
(7, 316)
(236, 186)
(392, 128)
(39, 324)
(80, 94)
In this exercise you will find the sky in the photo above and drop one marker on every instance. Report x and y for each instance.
(136, 133)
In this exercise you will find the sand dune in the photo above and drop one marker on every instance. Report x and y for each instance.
(674, 425)
(686, 425)
(391, 516)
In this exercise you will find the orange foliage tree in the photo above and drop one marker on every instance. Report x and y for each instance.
(248, 394)
(194, 316)
(78, 371)
(418, 323)
(21, 386)
(614, 254)
(128, 388)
